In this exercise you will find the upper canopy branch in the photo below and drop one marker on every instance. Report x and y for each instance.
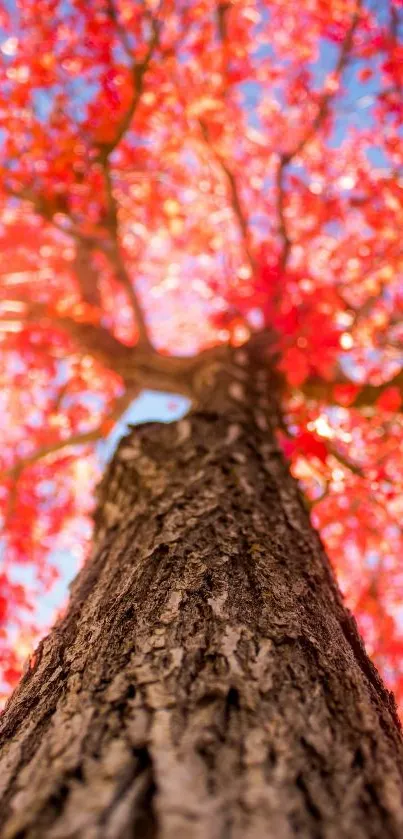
(86, 274)
(115, 258)
(236, 203)
(240, 215)
(286, 158)
(138, 72)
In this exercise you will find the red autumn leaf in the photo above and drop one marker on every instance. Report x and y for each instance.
(295, 365)
(311, 445)
(3, 608)
(390, 399)
(365, 74)
(11, 675)
(346, 394)
(107, 426)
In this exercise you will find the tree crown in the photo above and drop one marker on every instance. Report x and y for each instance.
(175, 177)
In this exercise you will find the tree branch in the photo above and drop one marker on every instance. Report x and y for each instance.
(138, 72)
(115, 258)
(86, 274)
(235, 198)
(139, 366)
(345, 461)
(47, 213)
(222, 10)
(78, 439)
(287, 157)
(92, 338)
(283, 230)
(123, 36)
(143, 367)
(323, 391)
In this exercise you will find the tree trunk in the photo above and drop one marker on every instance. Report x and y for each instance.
(207, 681)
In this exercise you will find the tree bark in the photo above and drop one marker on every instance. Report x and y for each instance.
(207, 681)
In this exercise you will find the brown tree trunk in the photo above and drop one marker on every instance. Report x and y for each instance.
(207, 681)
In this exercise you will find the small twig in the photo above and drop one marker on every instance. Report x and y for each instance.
(313, 502)
(283, 230)
(222, 11)
(62, 392)
(114, 18)
(394, 22)
(345, 461)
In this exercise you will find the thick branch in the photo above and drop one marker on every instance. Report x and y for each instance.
(139, 366)
(146, 368)
(323, 391)
(91, 338)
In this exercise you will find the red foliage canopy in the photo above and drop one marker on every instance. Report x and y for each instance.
(176, 175)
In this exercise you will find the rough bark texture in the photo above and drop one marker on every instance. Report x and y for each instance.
(206, 681)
